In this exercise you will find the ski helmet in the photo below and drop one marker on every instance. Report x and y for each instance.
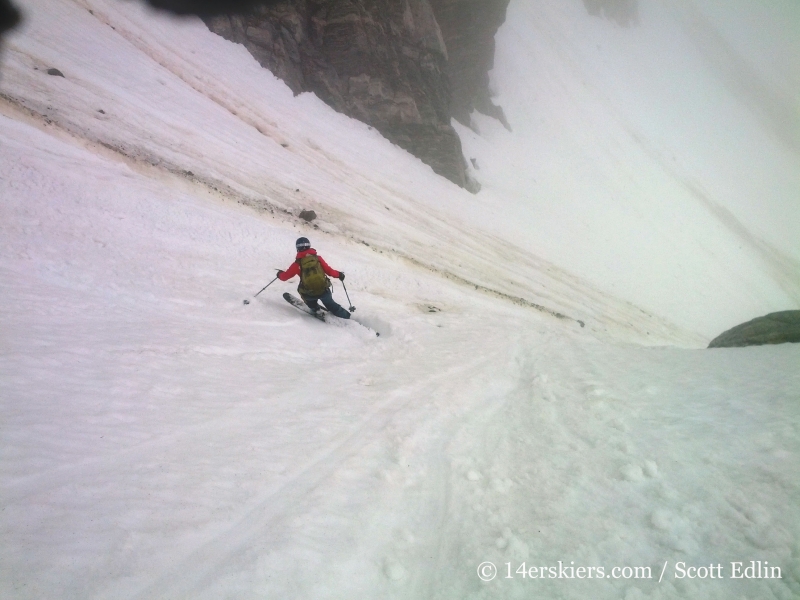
(302, 244)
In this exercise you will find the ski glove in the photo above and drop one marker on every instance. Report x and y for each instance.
(341, 276)
(280, 272)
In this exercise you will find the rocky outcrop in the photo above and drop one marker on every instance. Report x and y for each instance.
(468, 28)
(774, 328)
(387, 63)
(380, 61)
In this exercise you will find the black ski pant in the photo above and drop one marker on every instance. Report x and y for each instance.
(328, 301)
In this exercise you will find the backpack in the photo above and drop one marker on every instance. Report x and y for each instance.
(313, 281)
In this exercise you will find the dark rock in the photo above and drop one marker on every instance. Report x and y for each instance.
(308, 215)
(774, 328)
(55, 72)
(383, 62)
(468, 28)
(101, 111)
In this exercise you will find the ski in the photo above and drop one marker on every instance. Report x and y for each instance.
(300, 305)
(321, 314)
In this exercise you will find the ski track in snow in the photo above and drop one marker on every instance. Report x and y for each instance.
(206, 564)
(160, 439)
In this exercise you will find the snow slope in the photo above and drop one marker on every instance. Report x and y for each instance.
(660, 161)
(160, 439)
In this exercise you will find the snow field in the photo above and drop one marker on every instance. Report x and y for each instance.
(164, 440)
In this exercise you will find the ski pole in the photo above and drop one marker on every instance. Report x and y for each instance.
(352, 308)
(266, 286)
(262, 289)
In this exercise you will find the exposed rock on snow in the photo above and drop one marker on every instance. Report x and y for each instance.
(774, 328)
(307, 215)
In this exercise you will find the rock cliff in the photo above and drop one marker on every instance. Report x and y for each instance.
(468, 28)
(403, 66)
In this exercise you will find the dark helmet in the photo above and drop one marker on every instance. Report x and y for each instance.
(302, 244)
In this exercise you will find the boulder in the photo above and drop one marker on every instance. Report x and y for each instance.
(774, 328)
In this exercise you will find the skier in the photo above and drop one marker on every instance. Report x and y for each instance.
(314, 285)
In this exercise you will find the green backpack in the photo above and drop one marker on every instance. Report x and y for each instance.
(313, 281)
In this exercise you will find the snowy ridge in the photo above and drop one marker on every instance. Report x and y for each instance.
(160, 439)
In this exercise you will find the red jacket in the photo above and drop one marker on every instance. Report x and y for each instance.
(295, 268)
